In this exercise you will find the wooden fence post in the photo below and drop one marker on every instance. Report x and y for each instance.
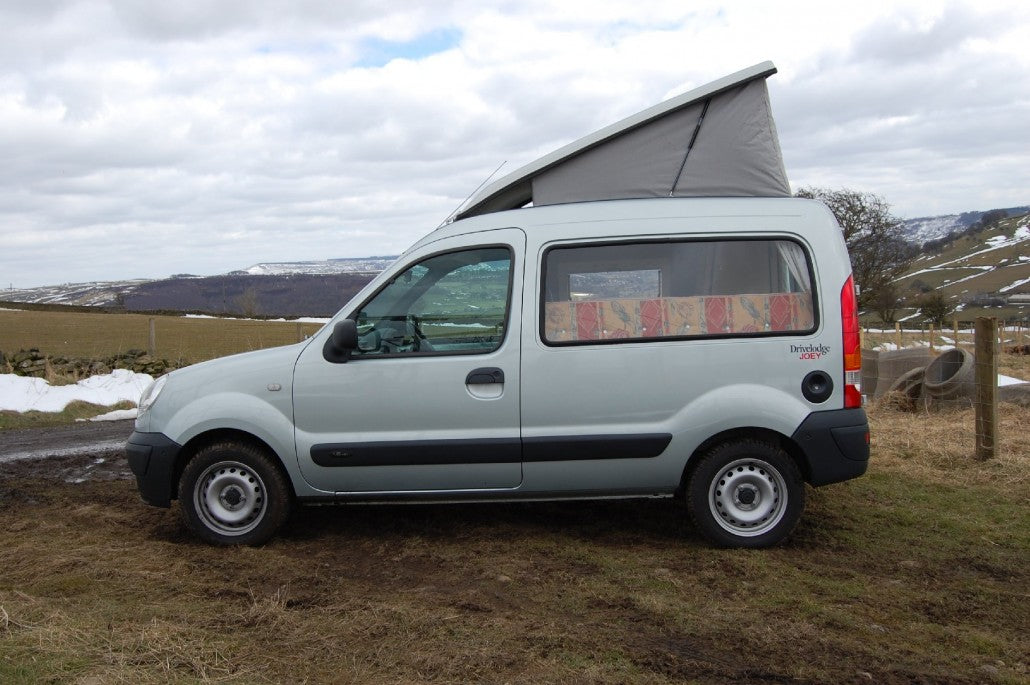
(931, 338)
(986, 387)
(897, 332)
(152, 341)
(300, 332)
(954, 325)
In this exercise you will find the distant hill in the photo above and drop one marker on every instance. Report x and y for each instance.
(288, 295)
(978, 270)
(982, 271)
(281, 289)
(925, 228)
(348, 265)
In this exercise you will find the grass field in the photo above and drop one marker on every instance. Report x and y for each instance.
(192, 340)
(915, 573)
(75, 411)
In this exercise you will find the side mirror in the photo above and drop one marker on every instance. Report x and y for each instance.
(342, 342)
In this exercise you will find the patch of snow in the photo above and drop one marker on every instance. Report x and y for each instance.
(1009, 380)
(116, 415)
(890, 347)
(301, 319)
(22, 394)
(1013, 285)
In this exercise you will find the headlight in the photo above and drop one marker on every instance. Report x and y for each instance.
(149, 395)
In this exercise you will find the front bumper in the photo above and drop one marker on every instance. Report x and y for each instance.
(152, 460)
(834, 444)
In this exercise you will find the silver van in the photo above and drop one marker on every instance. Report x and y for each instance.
(705, 348)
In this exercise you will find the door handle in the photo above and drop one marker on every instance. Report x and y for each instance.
(488, 374)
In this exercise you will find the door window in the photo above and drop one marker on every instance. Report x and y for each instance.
(451, 303)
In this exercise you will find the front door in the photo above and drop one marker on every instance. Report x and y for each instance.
(430, 400)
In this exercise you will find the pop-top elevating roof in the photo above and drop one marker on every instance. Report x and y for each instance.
(718, 140)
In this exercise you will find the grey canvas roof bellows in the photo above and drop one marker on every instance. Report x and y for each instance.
(718, 140)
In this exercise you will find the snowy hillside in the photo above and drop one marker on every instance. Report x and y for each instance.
(348, 265)
(985, 273)
(930, 227)
(95, 294)
(141, 292)
(922, 229)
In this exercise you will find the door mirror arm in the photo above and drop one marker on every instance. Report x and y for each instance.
(342, 343)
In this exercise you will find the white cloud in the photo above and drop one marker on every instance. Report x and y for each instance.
(143, 139)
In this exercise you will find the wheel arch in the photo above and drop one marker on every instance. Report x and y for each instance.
(766, 435)
(211, 437)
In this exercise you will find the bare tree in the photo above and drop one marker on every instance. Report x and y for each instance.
(934, 308)
(886, 301)
(247, 302)
(879, 251)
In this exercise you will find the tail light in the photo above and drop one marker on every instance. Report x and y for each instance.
(852, 345)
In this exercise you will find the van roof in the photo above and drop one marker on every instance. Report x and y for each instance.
(718, 140)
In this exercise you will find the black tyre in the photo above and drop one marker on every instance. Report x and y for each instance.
(232, 493)
(745, 493)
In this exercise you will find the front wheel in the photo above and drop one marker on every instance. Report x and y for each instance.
(745, 493)
(233, 494)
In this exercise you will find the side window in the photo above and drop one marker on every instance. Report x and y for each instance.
(456, 303)
(679, 289)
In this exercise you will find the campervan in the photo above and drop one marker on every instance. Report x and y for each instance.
(643, 313)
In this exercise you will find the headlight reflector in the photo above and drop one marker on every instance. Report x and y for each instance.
(149, 396)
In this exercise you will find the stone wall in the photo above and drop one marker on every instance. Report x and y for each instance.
(34, 363)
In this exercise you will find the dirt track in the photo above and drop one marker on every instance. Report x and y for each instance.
(70, 453)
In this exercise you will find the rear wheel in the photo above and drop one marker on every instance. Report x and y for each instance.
(746, 493)
(232, 493)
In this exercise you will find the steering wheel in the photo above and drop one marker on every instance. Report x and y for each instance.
(419, 341)
(397, 336)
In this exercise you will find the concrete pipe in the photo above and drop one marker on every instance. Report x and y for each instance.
(893, 364)
(950, 376)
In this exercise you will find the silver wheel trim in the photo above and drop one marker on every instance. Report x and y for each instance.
(748, 497)
(230, 498)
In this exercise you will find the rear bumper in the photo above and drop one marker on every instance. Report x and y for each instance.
(152, 460)
(834, 445)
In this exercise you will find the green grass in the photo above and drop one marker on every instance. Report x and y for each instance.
(76, 334)
(75, 411)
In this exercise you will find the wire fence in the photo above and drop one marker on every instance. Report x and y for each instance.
(926, 372)
(959, 373)
(956, 333)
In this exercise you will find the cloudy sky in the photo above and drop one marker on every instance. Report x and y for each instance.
(142, 138)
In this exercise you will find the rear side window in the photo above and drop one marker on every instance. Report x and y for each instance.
(703, 288)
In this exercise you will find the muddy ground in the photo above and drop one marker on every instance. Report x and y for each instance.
(71, 454)
(889, 579)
